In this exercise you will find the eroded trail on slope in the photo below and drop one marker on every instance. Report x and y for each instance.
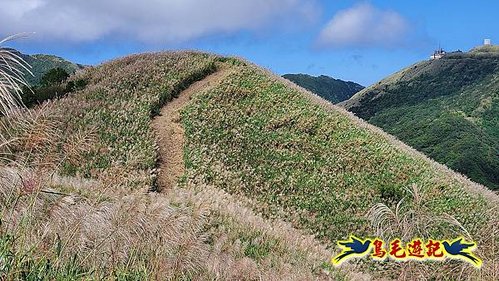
(170, 133)
(225, 257)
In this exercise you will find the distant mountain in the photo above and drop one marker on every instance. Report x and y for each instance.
(333, 90)
(41, 64)
(447, 108)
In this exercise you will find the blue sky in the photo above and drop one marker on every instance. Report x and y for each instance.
(361, 41)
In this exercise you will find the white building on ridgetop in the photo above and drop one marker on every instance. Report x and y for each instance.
(487, 42)
(438, 54)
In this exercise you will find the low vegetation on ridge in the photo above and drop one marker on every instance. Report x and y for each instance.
(273, 180)
(319, 168)
(76, 206)
(446, 108)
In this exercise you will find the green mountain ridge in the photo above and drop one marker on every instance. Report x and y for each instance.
(333, 90)
(41, 64)
(447, 108)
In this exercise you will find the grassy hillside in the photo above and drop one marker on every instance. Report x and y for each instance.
(41, 64)
(267, 167)
(333, 90)
(317, 167)
(447, 108)
(77, 203)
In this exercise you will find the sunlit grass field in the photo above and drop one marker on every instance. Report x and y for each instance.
(76, 200)
(319, 168)
(274, 178)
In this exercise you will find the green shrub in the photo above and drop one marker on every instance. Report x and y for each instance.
(54, 76)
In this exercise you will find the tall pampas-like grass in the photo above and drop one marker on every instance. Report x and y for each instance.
(12, 72)
(411, 218)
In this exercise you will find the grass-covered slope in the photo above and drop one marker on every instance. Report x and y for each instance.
(320, 168)
(333, 90)
(447, 108)
(267, 165)
(116, 107)
(106, 225)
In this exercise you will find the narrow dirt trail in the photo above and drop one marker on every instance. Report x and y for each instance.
(170, 133)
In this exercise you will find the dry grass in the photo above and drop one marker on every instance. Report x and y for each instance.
(196, 232)
(388, 222)
(12, 69)
(99, 235)
(410, 219)
(67, 227)
(414, 219)
(319, 167)
(107, 227)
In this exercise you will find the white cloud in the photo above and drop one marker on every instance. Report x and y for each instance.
(147, 20)
(364, 26)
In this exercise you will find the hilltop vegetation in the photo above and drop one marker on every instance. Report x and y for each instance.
(486, 50)
(447, 108)
(333, 90)
(316, 167)
(53, 85)
(80, 207)
(41, 64)
(267, 167)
